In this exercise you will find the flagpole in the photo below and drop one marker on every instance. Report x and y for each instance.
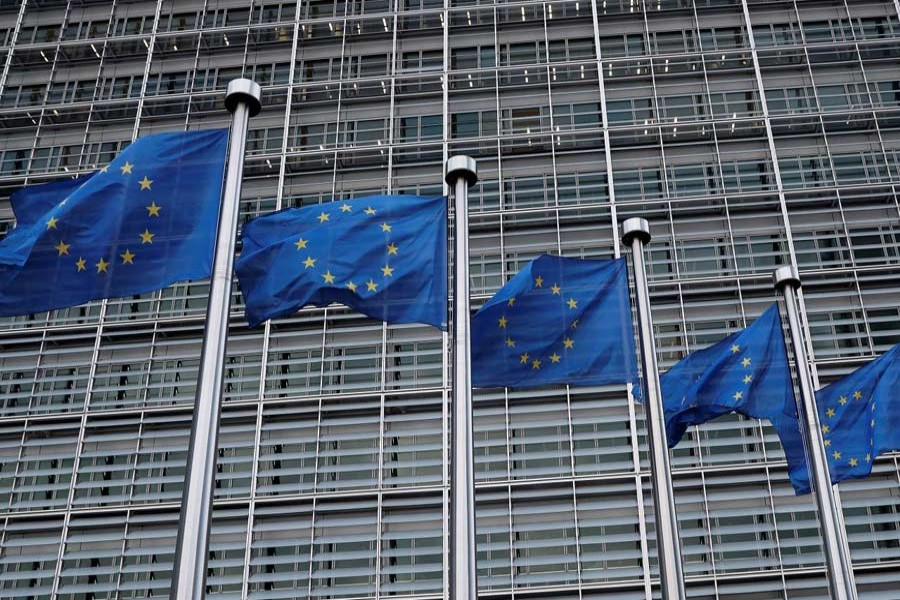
(192, 547)
(461, 174)
(636, 233)
(837, 552)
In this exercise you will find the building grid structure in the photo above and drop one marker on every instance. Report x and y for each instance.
(750, 134)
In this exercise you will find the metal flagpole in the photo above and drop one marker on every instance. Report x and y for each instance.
(461, 174)
(191, 550)
(837, 552)
(636, 233)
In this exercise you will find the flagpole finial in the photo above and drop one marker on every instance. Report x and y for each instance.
(243, 90)
(461, 166)
(786, 276)
(635, 228)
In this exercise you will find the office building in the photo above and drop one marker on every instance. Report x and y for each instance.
(752, 134)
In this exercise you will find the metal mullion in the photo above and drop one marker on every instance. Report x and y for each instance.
(17, 469)
(512, 549)
(251, 502)
(37, 369)
(663, 167)
(789, 239)
(340, 93)
(312, 539)
(76, 462)
(546, 70)
(192, 91)
(392, 100)
(7, 64)
(639, 490)
(147, 63)
(138, 444)
(712, 554)
(607, 150)
(578, 565)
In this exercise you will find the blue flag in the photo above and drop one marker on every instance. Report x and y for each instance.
(142, 222)
(558, 321)
(747, 373)
(860, 418)
(384, 256)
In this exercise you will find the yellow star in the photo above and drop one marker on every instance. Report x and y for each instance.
(385, 227)
(853, 462)
(310, 262)
(735, 349)
(351, 286)
(827, 443)
(371, 285)
(555, 289)
(510, 343)
(836, 455)
(538, 282)
(126, 168)
(145, 183)
(568, 343)
(62, 248)
(857, 395)
(345, 208)
(153, 209)
(323, 217)
(369, 210)
(868, 458)
(842, 400)
(147, 237)
(575, 324)
(51, 224)
(81, 264)
(554, 357)
(572, 303)
(104, 169)
(511, 301)
(127, 258)
(738, 395)
(825, 429)
(746, 362)
(301, 244)
(872, 423)
(830, 412)
(328, 277)
(101, 266)
(536, 364)
(524, 359)
(501, 322)
(392, 249)
(748, 378)
(387, 270)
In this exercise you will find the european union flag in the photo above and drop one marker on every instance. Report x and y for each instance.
(860, 418)
(747, 373)
(145, 220)
(384, 256)
(558, 321)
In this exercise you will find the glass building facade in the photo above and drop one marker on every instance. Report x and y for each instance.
(751, 134)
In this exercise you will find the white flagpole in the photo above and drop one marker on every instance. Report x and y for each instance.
(636, 233)
(192, 547)
(461, 174)
(837, 552)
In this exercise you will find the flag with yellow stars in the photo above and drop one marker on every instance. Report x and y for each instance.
(558, 321)
(145, 220)
(747, 373)
(384, 256)
(860, 418)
